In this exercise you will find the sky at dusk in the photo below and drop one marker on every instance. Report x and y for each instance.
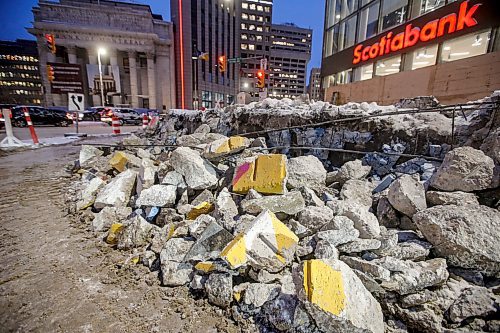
(16, 15)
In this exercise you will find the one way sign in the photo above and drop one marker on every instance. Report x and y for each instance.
(76, 102)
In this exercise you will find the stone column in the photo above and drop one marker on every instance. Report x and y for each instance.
(113, 61)
(133, 79)
(43, 59)
(96, 98)
(151, 80)
(71, 54)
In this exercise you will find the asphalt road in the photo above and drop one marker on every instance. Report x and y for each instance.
(89, 127)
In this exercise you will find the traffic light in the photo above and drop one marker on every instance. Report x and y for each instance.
(222, 63)
(50, 73)
(51, 43)
(261, 78)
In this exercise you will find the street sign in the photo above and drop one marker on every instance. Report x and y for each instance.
(76, 102)
(67, 78)
(234, 60)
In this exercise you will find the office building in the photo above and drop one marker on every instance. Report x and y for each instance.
(256, 23)
(204, 31)
(384, 50)
(290, 53)
(133, 45)
(314, 87)
(20, 81)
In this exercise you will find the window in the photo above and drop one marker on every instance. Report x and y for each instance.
(466, 46)
(365, 72)
(244, 5)
(348, 7)
(388, 66)
(368, 22)
(343, 77)
(244, 36)
(251, 47)
(244, 16)
(430, 5)
(348, 33)
(393, 13)
(423, 57)
(244, 26)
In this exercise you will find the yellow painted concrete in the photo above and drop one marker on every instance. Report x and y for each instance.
(237, 295)
(232, 144)
(113, 233)
(205, 266)
(119, 161)
(324, 286)
(285, 238)
(203, 208)
(265, 175)
(235, 252)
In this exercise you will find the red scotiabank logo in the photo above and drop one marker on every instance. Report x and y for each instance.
(412, 35)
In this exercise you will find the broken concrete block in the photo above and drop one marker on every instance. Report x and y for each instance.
(198, 173)
(336, 298)
(114, 231)
(202, 208)
(117, 192)
(157, 196)
(280, 312)
(147, 174)
(266, 244)
(174, 178)
(467, 236)
(137, 232)
(386, 214)
(87, 154)
(473, 302)
(290, 203)
(340, 231)
(119, 161)
(364, 221)
(370, 268)
(209, 244)
(352, 170)
(464, 169)
(108, 216)
(325, 250)
(266, 174)
(225, 209)
(226, 146)
(310, 197)
(359, 191)
(219, 288)
(360, 245)
(89, 193)
(409, 277)
(314, 218)
(458, 198)
(174, 271)
(205, 195)
(407, 195)
(197, 226)
(306, 171)
(256, 294)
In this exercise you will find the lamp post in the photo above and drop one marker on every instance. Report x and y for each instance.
(99, 52)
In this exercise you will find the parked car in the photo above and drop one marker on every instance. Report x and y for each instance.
(149, 112)
(125, 116)
(40, 116)
(93, 113)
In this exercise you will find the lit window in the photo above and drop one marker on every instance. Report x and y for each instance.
(244, 16)
(430, 5)
(244, 5)
(251, 17)
(423, 57)
(252, 6)
(259, 29)
(244, 36)
(393, 12)
(243, 26)
(260, 8)
(365, 72)
(244, 46)
(267, 9)
(251, 27)
(388, 66)
(251, 47)
(467, 46)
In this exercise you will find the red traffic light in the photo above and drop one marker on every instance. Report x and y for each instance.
(261, 79)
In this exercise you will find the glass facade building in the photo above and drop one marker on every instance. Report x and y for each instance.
(360, 36)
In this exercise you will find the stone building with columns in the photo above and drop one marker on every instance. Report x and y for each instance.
(137, 52)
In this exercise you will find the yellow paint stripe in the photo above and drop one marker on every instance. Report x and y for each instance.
(235, 252)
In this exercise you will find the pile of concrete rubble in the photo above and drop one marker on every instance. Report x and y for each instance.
(284, 244)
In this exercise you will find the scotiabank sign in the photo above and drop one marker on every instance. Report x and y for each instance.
(448, 24)
(453, 20)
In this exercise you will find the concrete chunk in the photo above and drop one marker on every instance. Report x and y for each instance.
(199, 174)
(117, 192)
(266, 174)
(158, 196)
(266, 244)
(290, 203)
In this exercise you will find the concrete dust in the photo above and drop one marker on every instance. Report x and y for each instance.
(56, 277)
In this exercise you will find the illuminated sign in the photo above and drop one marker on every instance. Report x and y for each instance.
(412, 35)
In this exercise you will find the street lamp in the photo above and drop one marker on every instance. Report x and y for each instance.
(99, 52)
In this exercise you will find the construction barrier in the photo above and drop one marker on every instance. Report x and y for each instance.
(115, 123)
(30, 125)
(145, 121)
(10, 141)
